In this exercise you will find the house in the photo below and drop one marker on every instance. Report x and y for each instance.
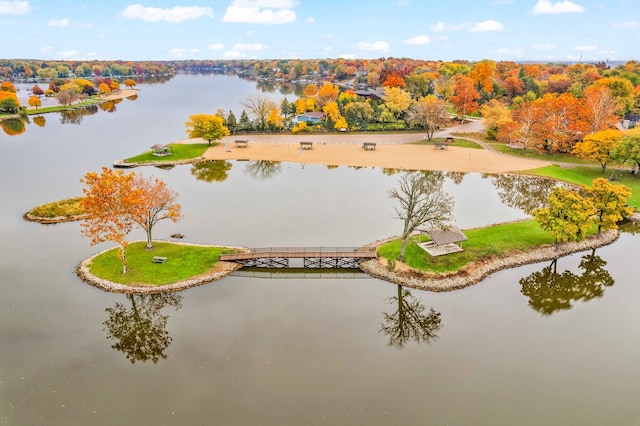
(313, 116)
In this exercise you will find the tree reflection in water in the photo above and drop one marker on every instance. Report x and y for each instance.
(76, 115)
(132, 97)
(140, 330)
(13, 126)
(263, 169)
(549, 291)
(409, 322)
(211, 170)
(526, 193)
(456, 177)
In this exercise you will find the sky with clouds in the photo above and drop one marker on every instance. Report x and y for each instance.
(513, 30)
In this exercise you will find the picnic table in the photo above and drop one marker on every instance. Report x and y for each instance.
(160, 259)
(369, 146)
(242, 143)
(306, 145)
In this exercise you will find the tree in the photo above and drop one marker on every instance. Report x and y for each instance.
(39, 121)
(327, 93)
(7, 86)
(410, 322)
(275, 120)
(523, 192)
(393, 80)
(598, 147)
(108, 202)
(37, 90)
(35, 101)
(358, 114)
(559, 121)
(260, 107)
(422, 202)
(600, 108)
(397, 101)
(482, 74)
(495, 115)
(206, 126)
(129, 83)
(628, 149)
(419, 84)
(263, 169)
(231, 121)
(156, 202)
(568, 215)
(9, 102)
(141, 331)
(465, 96)
(610, 202)
(430, 113)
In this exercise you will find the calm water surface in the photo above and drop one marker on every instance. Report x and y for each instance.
(509, 350)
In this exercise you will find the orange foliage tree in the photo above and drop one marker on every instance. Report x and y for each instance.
(394, 80)
(327, 93)
(129, 83)
(560, 122)
(600, 108)
(109, 201)
(465, 97)
(34, 101)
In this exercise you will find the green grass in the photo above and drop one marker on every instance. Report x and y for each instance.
(496, 240)
(181, 151)
(583, 175)
(185, 261)
(66, 208)
(458, 142)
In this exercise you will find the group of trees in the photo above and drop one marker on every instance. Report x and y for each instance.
(115, 202)
(9, 102)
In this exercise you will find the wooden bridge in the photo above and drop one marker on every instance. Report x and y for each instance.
(312, 257)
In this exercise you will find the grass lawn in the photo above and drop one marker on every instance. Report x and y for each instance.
(458, 142)
(185, 261)
(181, 151)
(496, 240)
(65, 208)
(583, 175)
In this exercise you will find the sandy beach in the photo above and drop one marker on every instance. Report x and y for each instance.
(391, 151)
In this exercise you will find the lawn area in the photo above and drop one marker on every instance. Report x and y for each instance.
(495, 240)
(185, 261)
(66, 208)
(181, 151)
(583, 175)
(462, 143)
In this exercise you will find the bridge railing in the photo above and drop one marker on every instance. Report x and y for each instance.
(305, 249)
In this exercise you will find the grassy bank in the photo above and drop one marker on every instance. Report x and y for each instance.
(583, 175)
(67, 208)
(462, 143)
(185, 261)
(180, 151)
(497, 240)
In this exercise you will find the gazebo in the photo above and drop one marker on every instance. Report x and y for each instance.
(160, 150)
(443, 241)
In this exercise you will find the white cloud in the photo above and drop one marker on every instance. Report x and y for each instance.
(215, 46)
(485, 26)
(544, 7)
(84, 25)
(586, 47)
(310, 20)
(46, 48)
(59, 22)
(69, 54)
(420, 40)
(376, 45)
(253, 47)
(232, 54)
(260, 12)
(175, 14)
(441, 26)
(548, 46)
(14, 7)
(194, 50)
(510, 52)
(178, 52)
(625, 25)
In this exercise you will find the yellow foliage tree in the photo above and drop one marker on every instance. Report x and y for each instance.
(35, 102)
(598, 146)
(327, 93)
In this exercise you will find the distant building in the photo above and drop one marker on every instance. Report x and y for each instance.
(313, 116)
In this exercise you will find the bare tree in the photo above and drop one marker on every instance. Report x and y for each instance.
(422, 202)
(430, 113)
(259, 107)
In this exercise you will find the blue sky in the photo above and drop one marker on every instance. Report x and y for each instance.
(515, 30)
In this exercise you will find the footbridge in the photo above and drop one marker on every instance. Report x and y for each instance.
(310, 257)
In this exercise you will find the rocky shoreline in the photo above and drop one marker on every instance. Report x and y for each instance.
(52, 220)
(477, 271)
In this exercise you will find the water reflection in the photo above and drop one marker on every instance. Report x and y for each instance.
(263, 169)
(109, 106)
(140, 329)
(39, 121)
(211, 170)
(13, 126)
(76, 115)
(526, 193)
(132, 97)
(456, 177)
(409, 322)
(549, 291)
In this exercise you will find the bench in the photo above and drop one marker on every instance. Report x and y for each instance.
(449, 140)
(160, 259)
(306, 145)
(242, 143)
(369, 146)
(441, 145)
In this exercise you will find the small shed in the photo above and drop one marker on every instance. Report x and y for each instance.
(161, 150)
(443, 241)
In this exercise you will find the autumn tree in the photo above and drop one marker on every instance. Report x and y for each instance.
(104, 88)
(275, 120)
(394, 80)
(419, 84)
(610, 202)
(397, 101)
(109, 198)
(495, 115)
(310, 90)
(628, 149)
(7, 86)
(422, 201)
(37, 90)
(598, 146)
(430, 113)
(481, 75)
(559, 122)
(358, 114)
(35, 102)
(327, 93)
(259, 107)
(206, 126)
(465, 96)
(129, 83)
(567, 216)
(156, 202)
(9, 102)
(621, 89)
(599, 108)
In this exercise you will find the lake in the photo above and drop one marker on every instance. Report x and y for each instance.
(526, 346)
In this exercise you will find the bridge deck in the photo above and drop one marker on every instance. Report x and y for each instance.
(299, 253)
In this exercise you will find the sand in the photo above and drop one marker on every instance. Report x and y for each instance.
(392, 151)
